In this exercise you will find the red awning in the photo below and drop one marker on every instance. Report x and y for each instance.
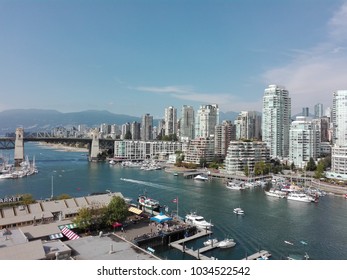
(116, 224)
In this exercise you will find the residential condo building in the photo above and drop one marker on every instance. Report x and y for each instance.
(207, 118)
(276, 120)
(304, 141)
(245, 154)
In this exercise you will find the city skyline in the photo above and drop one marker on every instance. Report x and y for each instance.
(131, 57)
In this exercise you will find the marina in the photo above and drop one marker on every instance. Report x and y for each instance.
(267, 223)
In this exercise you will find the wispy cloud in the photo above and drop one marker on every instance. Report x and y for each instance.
(225, 101)
(314, 74)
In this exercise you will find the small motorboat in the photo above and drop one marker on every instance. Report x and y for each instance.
(288, 242)
(239, 211)
(211, 241)
(227, 243)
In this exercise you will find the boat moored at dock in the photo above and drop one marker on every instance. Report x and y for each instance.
(198, 221)
(148, 203)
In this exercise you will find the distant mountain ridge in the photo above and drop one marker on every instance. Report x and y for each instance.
(40, 119)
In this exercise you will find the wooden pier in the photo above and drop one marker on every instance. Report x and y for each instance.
(180, 245)
(257, 255)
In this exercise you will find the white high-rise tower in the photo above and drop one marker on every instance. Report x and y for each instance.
(339, 119)
(276, 120)
(206, 119)
(187, 123)
(170, 121)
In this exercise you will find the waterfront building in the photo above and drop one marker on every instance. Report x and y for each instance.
(224, 133)
(142, 150)
(304, 141)
(200, 150)
(170, 121)
(318, 111)
(276, 120)
(147, 127)
(206, 119)
(245, 154)
(248, 125)
(187, 123)
(339, 149)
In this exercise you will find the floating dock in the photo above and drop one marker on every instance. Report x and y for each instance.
(180, 245)
(257, 255)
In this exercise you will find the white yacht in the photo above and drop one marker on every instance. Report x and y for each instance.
(198, 221)
(211, 241)
(148, 203)
(300, 196)
(276, 193)
(201, 178)
(239, 211)
(235, 185)
(227, 243)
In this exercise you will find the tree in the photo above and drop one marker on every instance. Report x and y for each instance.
(311, 165)
(117, 210)
(84, 218)
(63, 196)
(128, 135)
(319, 173)
(27, 199)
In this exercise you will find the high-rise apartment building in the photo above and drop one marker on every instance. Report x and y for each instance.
(125, 131)
(135, 129)
(248, 125)
(224, 133)
(318, 111)
(305, 112)
(245, 154)
(276, 120)
(339, 119)
(187, 123)
(170, 121)
(147, 127)
(207, 118)
(304, 141)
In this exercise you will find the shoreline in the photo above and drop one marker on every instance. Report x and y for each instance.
(61, 147)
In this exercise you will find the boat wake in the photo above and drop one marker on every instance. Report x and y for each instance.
(149, 184)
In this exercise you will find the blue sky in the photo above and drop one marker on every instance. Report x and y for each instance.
(136, 57)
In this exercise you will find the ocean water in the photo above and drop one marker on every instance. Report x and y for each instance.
(267, 222)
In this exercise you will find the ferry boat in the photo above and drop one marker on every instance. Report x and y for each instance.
(198, 221)
(148, 203)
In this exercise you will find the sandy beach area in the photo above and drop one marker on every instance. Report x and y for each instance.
(61, 147)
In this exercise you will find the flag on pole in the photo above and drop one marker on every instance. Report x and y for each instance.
(175, 200)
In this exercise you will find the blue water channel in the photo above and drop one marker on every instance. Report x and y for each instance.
(267, 222)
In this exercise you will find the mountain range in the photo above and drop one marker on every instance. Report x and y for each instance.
(40, 120)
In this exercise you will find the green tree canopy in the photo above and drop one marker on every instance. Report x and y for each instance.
(117, 210)
(311, 165)
(84, 218)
